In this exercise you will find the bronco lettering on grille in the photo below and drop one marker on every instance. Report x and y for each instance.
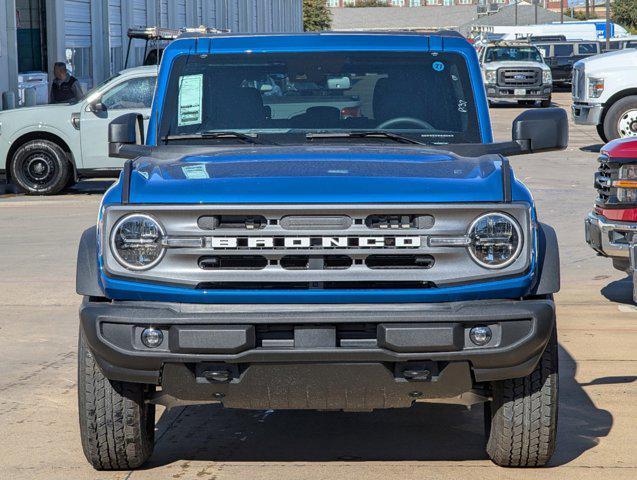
(314, 242)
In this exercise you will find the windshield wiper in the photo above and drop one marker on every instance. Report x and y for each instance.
(244, 137)
(365, 134)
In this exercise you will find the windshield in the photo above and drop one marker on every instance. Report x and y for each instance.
(286, 96)
(512, 54)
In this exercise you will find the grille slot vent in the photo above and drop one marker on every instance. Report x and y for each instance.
(218, 222)
(396, 222)
(233, 262)
(316, 222)
(401, 262)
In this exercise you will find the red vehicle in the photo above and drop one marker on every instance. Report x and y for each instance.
(612, 225)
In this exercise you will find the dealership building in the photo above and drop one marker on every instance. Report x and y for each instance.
(91, 35)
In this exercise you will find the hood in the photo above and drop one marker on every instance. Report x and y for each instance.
(617, 60)
(496, 65)
(48, 109)
(352, 174)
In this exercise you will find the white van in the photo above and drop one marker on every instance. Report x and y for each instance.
(572, 31)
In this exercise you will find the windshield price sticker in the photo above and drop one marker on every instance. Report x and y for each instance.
(190, 100)
(195, 172)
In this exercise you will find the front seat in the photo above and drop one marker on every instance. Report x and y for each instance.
(394, 99)
(238, 107)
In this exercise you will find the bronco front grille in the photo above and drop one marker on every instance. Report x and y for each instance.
(316, 247)
(519, 77)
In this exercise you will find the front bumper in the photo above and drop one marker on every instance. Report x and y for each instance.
(608, 237)
(542, 92)
(587, 114)
(316, 356)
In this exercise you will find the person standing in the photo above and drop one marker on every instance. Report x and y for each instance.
(65, 88)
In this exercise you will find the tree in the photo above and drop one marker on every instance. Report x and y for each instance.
(624, 12)
(316, 15)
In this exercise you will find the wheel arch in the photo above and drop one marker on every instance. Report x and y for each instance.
(548, 281)
(87, 281)
(39, 135)
(613, 99)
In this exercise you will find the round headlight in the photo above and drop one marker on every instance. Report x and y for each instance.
(496, 240)
(136, 242)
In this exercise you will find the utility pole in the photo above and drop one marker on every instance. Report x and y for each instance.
(607, 25)
(561, 11)
(535, 2)
(588, 13)
(516, 13)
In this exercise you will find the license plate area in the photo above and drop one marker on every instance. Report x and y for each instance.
(519, 91)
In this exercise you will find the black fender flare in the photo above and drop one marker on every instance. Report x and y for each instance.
(548, 274)
(87, 272)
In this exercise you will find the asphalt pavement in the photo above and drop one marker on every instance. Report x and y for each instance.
(597, 321)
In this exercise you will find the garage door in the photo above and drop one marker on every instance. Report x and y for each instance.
(139, 13)
(139, 19)
(199, 21)
(115, 35)
(77, 38)
(163, 6)
(180, 6)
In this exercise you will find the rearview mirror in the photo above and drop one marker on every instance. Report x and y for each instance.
(339, 83)
(125, 131)
(541, 130)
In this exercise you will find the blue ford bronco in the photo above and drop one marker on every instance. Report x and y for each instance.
(319, 221)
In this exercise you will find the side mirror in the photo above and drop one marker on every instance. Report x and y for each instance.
(97, 107)
(126, 131)
(541, 130)
(266, 87)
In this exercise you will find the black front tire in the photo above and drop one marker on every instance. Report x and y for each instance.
(545, 103)
(117, 426)
(622, 107)
(521, 420)
(40, 167)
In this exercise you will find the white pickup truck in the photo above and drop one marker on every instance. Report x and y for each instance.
(46, 148)
(605, 93)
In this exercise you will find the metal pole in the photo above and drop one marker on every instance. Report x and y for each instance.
(535, 10)
(516, 13)
(561, 11)
(607, 25)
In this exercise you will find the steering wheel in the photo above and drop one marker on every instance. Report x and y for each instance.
(415, 121)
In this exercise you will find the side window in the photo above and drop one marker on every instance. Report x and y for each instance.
(131, 94)
(563, 50)
(587, 48)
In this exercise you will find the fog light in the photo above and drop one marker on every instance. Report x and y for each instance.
(480, 335)
(152, 338)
